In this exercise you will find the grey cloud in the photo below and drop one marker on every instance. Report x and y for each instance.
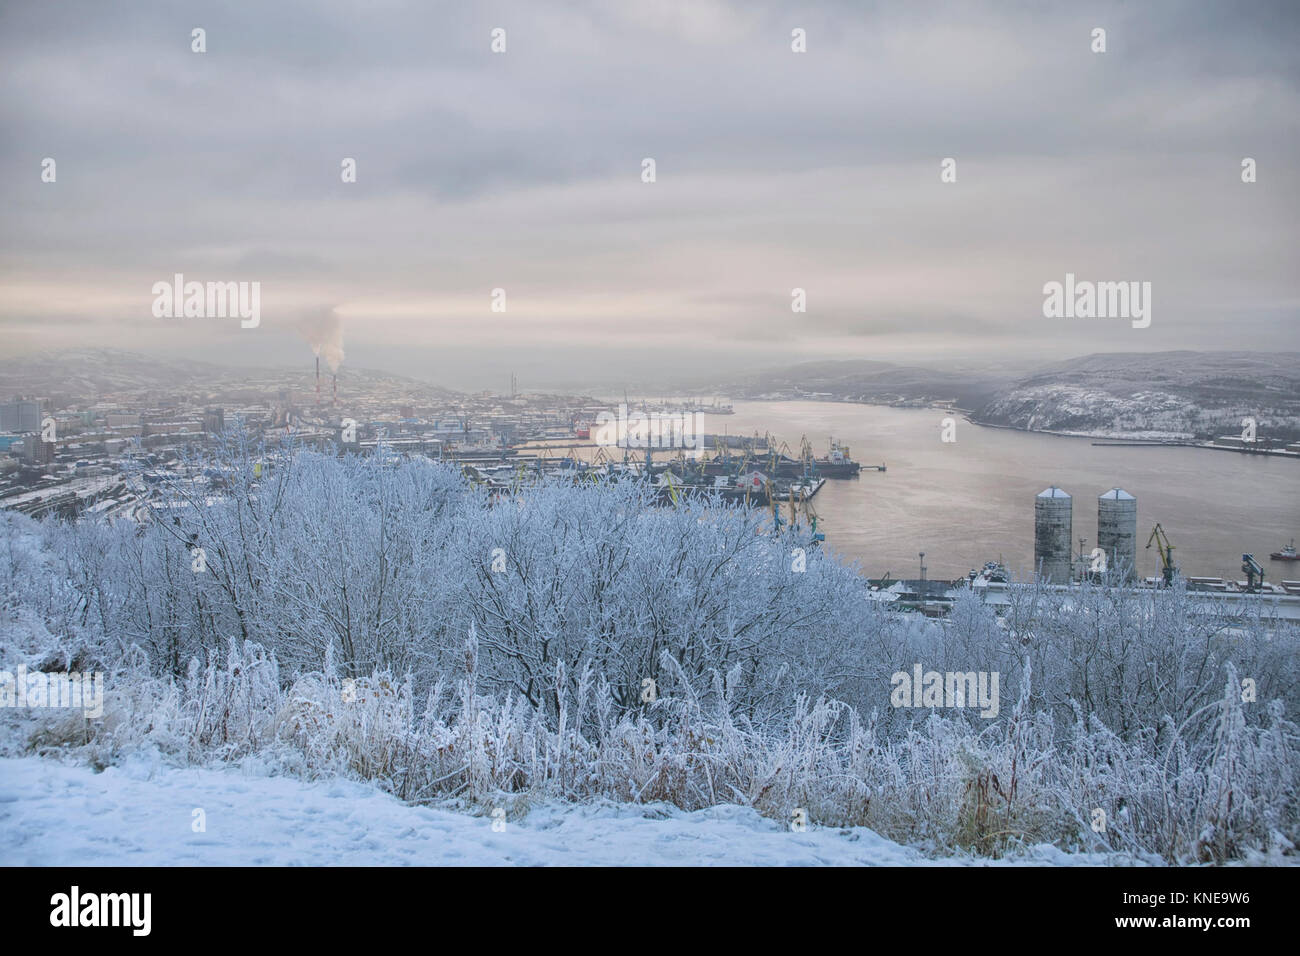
(775, 170)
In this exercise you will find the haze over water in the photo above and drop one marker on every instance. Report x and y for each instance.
(973, 501)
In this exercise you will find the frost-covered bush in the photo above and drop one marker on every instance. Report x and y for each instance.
(356, 618)
(1214, 790)
(390, 565)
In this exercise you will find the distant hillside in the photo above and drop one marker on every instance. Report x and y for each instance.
(93, 374)
(872, 382)
(1184, 395)
(1162, 394)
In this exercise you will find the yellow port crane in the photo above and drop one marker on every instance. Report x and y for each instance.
(722, 449)
(801, 507)
(1166, 550)
(671, 481)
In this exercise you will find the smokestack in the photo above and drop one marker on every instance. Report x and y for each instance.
(336, 390)
(318, 380)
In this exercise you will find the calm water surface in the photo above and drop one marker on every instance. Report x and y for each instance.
(973, 501)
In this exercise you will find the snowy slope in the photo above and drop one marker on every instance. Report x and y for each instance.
(1178, 395)
(52, 814)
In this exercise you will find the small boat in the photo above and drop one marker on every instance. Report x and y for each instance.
(1286, 554)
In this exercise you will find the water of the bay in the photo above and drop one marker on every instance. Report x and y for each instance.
(971, 501)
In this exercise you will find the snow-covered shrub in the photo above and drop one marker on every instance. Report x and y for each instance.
(351, 620)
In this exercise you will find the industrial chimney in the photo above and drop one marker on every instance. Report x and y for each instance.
(318, 380)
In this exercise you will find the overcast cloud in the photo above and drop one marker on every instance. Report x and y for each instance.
(522, 170)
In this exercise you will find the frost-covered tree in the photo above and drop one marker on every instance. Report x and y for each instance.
(583, 640)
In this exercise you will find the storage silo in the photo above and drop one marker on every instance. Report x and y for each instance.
(1052, 535)
(1117, 527)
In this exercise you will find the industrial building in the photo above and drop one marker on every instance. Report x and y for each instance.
(1053, 532)
(1117, 531)
(20, 416)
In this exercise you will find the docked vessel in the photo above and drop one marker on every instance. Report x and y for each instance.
(837, 464)
(775, 464)
(753, 488)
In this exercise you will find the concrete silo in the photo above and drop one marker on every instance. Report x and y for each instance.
(1052, 535)
(1117, 526)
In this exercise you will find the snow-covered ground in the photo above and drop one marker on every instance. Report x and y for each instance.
(143, 814)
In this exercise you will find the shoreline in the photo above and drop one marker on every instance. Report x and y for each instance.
(1097, 440)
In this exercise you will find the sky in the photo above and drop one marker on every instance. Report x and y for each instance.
(522, 170)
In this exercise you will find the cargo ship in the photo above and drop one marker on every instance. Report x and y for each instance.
(752, 488)
(837, 464)
(1286, 554)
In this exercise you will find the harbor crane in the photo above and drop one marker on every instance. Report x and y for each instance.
(802, 513)
(1254, 572)
(806, 455)
(1166, 550)
(722, 450)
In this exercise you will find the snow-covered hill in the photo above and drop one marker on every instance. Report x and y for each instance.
(1180, 395)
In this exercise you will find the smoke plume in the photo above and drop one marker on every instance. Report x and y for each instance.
(323, 329)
